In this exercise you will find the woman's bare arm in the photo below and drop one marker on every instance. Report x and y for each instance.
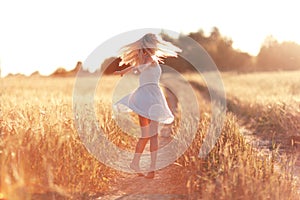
(124, 71)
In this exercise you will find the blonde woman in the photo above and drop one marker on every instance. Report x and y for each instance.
(148, 101)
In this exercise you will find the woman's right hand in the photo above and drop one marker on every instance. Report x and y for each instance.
(124, 71)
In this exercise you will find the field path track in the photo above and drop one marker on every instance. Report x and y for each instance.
(165, 184)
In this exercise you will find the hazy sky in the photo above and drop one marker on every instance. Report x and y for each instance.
(44, 35)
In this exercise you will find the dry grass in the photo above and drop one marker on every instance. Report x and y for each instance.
(40, 150)
(268, 103)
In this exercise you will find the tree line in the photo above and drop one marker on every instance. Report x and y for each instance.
(271, 57)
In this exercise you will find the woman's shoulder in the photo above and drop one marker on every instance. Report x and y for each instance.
(153, 64)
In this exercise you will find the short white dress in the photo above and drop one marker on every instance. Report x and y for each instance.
(148, 99)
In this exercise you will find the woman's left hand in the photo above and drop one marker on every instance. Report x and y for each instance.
(118, 73)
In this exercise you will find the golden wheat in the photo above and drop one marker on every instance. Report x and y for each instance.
(40, 150)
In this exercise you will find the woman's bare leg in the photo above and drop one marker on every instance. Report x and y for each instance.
(153, 148)
(140, 146)
(153, 143)
(153, 151)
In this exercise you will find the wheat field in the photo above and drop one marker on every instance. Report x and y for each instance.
(41, 153)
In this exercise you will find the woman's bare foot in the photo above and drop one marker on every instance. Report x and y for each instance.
(150, 175)
(136, 168)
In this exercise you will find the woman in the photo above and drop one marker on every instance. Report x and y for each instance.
(147, 100)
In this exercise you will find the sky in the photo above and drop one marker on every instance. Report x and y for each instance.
(44, 35)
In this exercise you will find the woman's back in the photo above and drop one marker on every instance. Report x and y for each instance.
(150, 73)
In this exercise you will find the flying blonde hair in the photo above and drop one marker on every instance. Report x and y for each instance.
(151, 45)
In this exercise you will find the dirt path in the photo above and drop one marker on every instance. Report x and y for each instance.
(165, 184)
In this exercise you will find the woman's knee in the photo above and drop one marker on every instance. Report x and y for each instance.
(144, 121)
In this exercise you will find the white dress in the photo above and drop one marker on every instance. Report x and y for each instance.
(148, 99)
